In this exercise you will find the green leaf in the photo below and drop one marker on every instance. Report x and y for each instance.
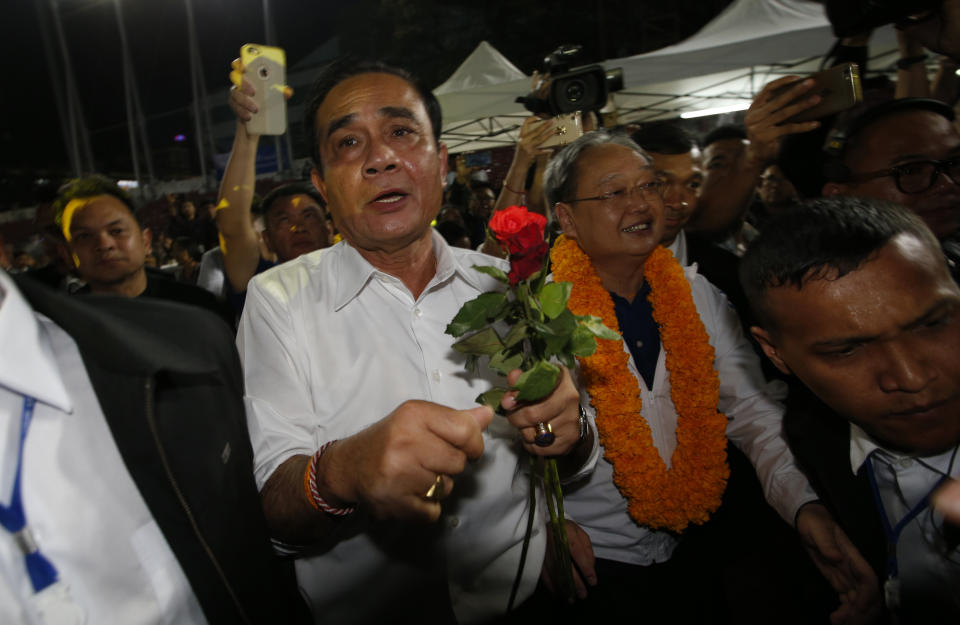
(492, 397)
(541, 328)
(486, 342)
(516, 334)
(553, 298)
(476, 313)
(562, 328)
(503, 362)
(471, 364)
(538, 382)
(567, 359)
(596, 327)
(564, 324)
(496, 272)
(533, 302)
(583, 342)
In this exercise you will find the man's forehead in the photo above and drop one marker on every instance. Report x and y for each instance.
(382, 94)
(905, 134)
(676, 164)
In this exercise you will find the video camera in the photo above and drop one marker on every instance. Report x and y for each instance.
(569, 90)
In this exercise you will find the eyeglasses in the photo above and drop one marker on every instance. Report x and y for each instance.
(619, 197)
(918, 176)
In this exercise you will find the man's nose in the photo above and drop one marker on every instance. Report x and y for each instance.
(105, 241)
(905, 370)
(380, 158)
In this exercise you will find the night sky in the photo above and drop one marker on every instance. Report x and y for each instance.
(430, 37)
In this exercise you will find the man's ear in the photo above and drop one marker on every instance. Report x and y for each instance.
(769, 348)
(564, 213)
(443, 155)
(317, 179)
(265, 235)
(147, 240)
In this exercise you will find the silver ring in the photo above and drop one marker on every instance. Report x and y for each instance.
(545, 435)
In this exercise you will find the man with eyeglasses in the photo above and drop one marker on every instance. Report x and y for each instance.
(906, 151)
(607, 199)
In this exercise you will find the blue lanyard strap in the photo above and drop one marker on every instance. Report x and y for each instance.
(893, 531)
(14, 520)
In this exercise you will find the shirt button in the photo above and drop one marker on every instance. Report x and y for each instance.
(418, 312)
(454, 521)
(436, 375)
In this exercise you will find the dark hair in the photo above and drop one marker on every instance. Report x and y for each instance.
(665, 138)
(812, 159)
(849, 129)
(822, 239)
(90, 186)
(720, 133)
(348, 67)
(286, 190)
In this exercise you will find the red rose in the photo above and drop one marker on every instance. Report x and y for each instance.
(522, 266)
(518, 228)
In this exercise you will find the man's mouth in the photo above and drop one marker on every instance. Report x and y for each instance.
(390, 197)
(636, 228)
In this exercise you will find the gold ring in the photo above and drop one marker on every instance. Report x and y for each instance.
(435, 489)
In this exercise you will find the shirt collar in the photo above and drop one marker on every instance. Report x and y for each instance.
(679, 248)
(354, 271)
(863, 446)
(28, 366)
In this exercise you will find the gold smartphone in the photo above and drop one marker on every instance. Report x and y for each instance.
(839, 89)
(569, 128)
(265, 68)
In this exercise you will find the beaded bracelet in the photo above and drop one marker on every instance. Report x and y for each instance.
(310, 486)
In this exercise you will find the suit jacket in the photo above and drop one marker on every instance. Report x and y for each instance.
(820, 440)
(168, 380)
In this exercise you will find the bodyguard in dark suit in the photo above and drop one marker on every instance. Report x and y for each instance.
(855, 299)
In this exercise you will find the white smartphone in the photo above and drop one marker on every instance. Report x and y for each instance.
(265, 68)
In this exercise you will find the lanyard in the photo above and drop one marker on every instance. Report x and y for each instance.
(892, 585)
(13, 519)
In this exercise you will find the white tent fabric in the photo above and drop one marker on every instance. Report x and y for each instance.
(749, 44)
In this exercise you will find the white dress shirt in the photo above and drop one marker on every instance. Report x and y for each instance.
(755, 413)
(679, 248)
(81, 504)
(929, 568)
(331, 345)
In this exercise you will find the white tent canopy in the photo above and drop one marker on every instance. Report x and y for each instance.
(750, 43)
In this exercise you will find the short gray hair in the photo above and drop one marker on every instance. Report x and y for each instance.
(561, 173)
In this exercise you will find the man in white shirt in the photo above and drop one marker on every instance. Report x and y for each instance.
(126, 493)
(855, 299)
(357, 400)
(606, 195)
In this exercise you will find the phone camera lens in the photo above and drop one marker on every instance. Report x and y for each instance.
(252, 50)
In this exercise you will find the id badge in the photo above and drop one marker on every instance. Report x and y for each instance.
(57, 607)
(891, 593)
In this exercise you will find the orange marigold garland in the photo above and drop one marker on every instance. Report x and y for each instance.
(693, 487)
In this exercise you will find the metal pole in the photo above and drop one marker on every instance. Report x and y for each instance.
(195, 88)
(73, 145)
(128, 93)
(58, 91)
